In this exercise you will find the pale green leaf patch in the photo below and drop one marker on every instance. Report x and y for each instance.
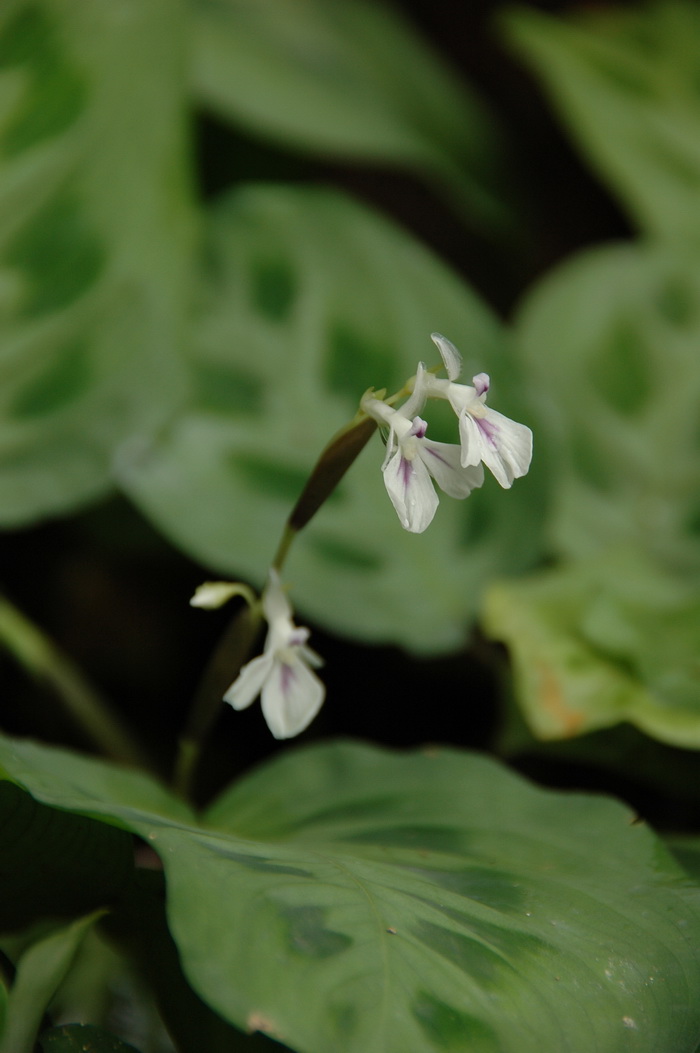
(609, 341)
(625, 82)
(94, 242)
(608, 639)
(351, 79)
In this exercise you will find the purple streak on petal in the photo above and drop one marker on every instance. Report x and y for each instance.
(287, 678)
(406, 472)
(481, 383)
(436, 455)
(489, 430)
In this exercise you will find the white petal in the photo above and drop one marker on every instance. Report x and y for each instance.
(411, 491)
(291, 698)
(452, 360)
(249, 683)
(504, 445)
(311, 657)
(443, 461)
(416, 400)
(213, 594)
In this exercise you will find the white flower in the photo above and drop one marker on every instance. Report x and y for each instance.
(411, 459)
(291, 693)
(504, 446)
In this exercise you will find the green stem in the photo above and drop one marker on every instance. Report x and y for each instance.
(43, 660)
(223, 668)
(238, 639)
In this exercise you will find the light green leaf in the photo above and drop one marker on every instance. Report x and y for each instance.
(353, 79)
(95, 230)
(41, 969)
(625, 81)
(308, 300)
(353, 899)
(601, 641)
(611, 341)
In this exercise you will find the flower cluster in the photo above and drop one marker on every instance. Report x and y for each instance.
(486, 437)
(291, 693)
(283, 675)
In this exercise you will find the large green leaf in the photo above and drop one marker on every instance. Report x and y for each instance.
(611, 341)
(308, 300)
(625, 81)
(94, 237)
(348, 898)
(600, 641)
(352, 79)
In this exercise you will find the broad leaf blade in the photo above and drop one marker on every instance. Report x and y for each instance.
(348, 898)
(94, 235)
(350, 79)
(610, 342)
(625, 82)
(308, 300)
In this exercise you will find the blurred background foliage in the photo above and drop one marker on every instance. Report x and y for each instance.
(223, 220)
(220, 222)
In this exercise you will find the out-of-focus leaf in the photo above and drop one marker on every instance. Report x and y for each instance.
(687, 852)
(350, 79)
(94, 236)
(625, 81)
(55, 864)
(353, 899)
(308, 300)
(139, 927)
(600, 641)
(41, 969)
(610, 341)
(82, 1038)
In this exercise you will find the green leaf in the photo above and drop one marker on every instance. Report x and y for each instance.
(95, 229)
(600, 641)
(41, 969)
(687, 851)
(82, 1038)
(353, 899)
(610, 342)
(625, 82)
(308, 300)
(55, 864)
(350, 79)
(139, 927)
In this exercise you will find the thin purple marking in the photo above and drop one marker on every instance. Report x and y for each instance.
(287, 678)
(437, 456)
(488, 430)
(406, 471)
